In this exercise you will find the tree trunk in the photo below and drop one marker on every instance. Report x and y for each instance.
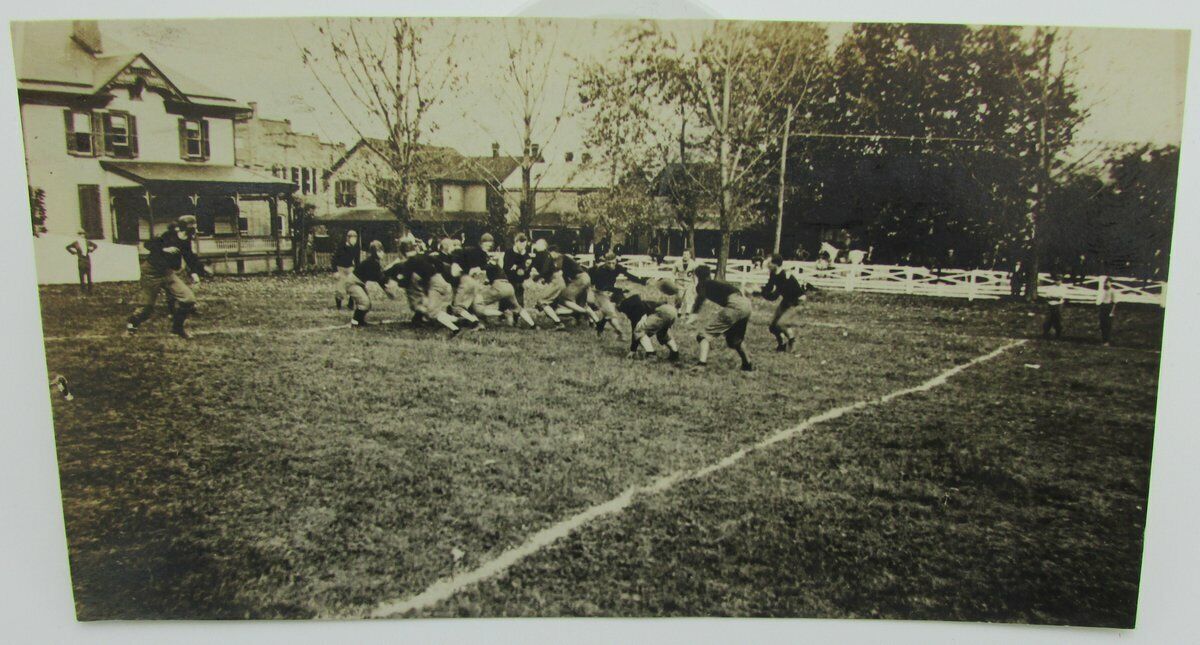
(691, 239)
(527, 197)
(787, 128)
(723, 253)
(1042, 184)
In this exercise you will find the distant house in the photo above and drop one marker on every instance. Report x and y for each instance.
(121, 146)
(694, 187)
(454, 197)
(558, 187)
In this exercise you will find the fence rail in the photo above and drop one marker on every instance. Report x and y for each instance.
(972, 284)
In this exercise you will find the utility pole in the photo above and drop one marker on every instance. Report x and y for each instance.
(787, 128)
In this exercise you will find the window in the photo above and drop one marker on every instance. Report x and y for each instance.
(296, 177)
(305, 177)
(345, 193)
(120, 135)
(435, 194)
(193, 139)
(81, 139)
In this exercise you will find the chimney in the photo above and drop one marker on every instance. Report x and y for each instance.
(86, 33)
(253, 109)
(495, 149)
(569, 157)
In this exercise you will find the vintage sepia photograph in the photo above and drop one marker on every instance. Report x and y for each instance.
(402, 317)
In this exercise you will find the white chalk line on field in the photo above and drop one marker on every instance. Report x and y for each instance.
(446, 588)
(222, 331)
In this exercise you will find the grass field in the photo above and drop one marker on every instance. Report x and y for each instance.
(280, 468)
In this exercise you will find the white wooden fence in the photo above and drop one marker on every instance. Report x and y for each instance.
(971, 284)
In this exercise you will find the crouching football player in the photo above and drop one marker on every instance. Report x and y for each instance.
(789, 289)
(499, 298)
(368, 270)
(428, 291)
(657, 322)
(730, 321)
(170, 254)
(545, 284)
(604, 281)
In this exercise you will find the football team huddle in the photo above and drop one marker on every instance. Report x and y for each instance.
(459, 286)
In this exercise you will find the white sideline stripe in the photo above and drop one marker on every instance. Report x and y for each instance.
(447, 587)
(205, 332)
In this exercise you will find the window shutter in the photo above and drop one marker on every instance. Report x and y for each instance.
(107, 130)
(70, 131)
(204, 138)
(183, 139)
(97, 138)
(133, 145)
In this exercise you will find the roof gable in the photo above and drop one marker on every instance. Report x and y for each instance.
(49, 58)
(141, 71)
(440, 163)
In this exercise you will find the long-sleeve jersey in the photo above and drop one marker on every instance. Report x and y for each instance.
(469, 258)
(494, 272)
(784, 284)
(417, 270)
(635, 308)
(570, 268)
(346, 257)
(545, 266)
(516, 266)
(604, 277)
(162, 259)
(370, 270)
(714, 290)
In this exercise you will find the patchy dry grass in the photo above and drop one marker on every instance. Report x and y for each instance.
(265, 472)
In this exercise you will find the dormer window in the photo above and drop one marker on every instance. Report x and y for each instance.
(193, 139)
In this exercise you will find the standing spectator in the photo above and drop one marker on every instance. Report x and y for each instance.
(1108, 309)
(82, 248)
(1055, 302)
(345, 261)
(758, 259)
(1015, 280)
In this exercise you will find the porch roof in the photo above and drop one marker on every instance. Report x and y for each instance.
(200, 178)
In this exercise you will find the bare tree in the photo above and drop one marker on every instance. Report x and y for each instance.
(384, 76)
(738, 76)
(539, 79)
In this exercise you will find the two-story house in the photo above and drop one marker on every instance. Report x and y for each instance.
(118, 146)
(454, 197)
(559, 187)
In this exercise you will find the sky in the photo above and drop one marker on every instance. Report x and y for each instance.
(1132, 80)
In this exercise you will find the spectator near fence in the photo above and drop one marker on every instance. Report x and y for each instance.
(1107, 309)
